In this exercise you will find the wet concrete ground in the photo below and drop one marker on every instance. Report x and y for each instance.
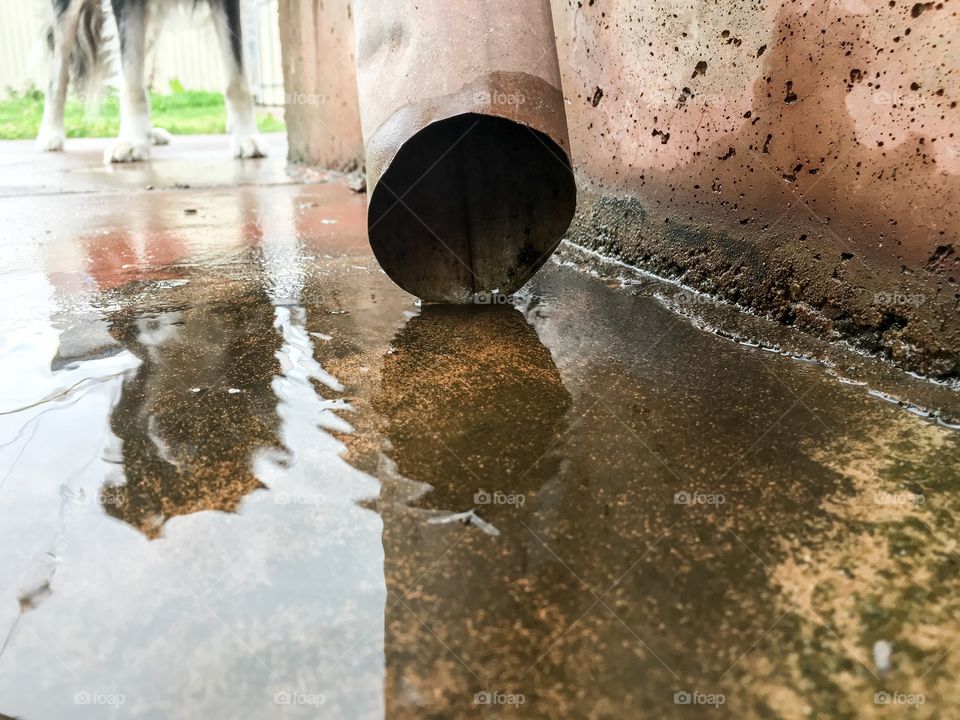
(244, 475)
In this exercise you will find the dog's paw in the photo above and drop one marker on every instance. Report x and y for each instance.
(49, 140)
(120, 151)
(248, 146)
(159, 136)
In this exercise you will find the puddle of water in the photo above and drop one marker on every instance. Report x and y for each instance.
(242, 474)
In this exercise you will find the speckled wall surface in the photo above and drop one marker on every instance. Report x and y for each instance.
(799, 158)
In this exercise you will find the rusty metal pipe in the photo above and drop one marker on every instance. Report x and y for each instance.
(470, 186)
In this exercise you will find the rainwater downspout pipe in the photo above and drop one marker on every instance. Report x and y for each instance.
(469, 180)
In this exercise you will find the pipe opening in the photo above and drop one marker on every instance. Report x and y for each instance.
(470, 204)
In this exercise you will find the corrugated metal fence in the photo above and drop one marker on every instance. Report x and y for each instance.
(21, 29)
(186, 49)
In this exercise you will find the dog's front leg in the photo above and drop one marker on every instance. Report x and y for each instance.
(241, 119)
(51, 135)
(135, 129)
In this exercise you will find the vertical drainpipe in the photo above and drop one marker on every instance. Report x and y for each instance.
(470, 186)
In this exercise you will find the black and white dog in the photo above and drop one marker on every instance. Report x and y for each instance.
(78, 40)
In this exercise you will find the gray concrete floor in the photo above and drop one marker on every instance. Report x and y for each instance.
(244, 475)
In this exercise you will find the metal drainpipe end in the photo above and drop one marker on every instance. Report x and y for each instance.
(469, 205)
(469, 177)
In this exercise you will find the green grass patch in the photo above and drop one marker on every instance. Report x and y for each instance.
(182, 112)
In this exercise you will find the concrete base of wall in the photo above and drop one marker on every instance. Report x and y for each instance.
(909, 318)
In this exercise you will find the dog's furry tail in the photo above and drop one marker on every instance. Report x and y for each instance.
(89, 55)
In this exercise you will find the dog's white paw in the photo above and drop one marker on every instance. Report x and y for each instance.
(159, 136)
(248, 146)
(50, 140)
(120, 151)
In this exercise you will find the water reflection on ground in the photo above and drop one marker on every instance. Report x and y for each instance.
(242, 474)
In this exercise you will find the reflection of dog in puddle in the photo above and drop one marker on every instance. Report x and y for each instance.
(198, 406)
(78, 38)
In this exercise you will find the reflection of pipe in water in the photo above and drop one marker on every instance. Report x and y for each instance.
(469, 177)
(469, 395)
(471, 404)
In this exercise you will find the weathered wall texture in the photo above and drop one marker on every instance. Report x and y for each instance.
(801, 158)
(319, 75)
